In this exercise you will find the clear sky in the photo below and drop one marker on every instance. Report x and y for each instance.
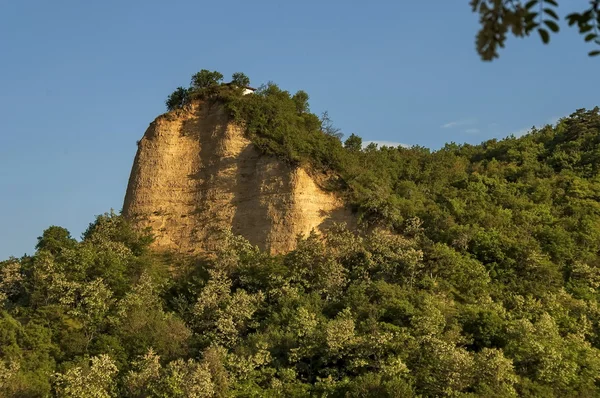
(81, 80)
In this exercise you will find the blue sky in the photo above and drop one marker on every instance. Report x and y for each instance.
(81, 80)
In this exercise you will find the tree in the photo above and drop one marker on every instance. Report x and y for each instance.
(178, 99)
(206, 79)
(301, 101)
(498, 17)
(7, 373)
(179, 378)
(353, 143)
(54, 239)
(222, 315)
(328, 127)
(141, 322)
(95, 380)
(11, 279)
(111, 227)
(240, 80)
(92, 307)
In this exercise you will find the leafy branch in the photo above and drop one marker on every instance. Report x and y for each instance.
(498, 17)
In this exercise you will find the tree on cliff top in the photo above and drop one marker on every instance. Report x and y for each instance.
(206, 79)
(178, 98)
(240, 80)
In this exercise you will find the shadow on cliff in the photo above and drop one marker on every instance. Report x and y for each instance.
(209, 128)
(228, 187)
(342, 215)
(251, 218)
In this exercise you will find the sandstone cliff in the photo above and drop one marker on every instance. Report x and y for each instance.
(195, 173)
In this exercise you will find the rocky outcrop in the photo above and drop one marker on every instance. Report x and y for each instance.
(196, 173)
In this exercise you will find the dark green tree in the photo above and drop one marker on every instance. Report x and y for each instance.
(54, 239)
(301, 101)
(240, 80)
(178, 99)
(521, 18)
(206, 79)
(353, 143)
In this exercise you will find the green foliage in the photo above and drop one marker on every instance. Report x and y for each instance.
(328, 128)
(347, 313)
(207, 86)
(280, 124)
(178, 99)
(142, 322)
(240, 80)
(473, 271)
(110, 227)
(91, 380)
(178, 379)
(26, 357)
(206, 79)
(301, 101)
(54, 239)
(353, 143)
(499, 17)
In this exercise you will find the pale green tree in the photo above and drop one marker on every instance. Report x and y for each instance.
(494, 374)
(313, 267)
(95, 380)
(340, 334)
(222, 314)
(50, 284)
(7, 373)
(444, 369)
(178, 379)
(145, 376)
(11, 279)
(92, 307)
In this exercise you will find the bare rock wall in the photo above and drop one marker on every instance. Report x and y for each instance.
(196, 173)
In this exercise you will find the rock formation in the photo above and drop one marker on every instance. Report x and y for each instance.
(195, 173)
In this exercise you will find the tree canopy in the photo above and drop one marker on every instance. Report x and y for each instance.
(239, 79)
(474, 272)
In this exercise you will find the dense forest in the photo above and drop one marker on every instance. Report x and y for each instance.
(474, 272)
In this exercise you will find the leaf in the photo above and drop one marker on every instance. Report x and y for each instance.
(530, 4)
(551, 12)
(572, 18)
(585, 29)
(544, 35)
(594, 53)
(530, 17)
(554, 3)
(590, 37)
(553, 26)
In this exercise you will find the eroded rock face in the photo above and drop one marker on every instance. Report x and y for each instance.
(195, 173)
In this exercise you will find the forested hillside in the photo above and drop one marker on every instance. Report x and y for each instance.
(474, 273)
